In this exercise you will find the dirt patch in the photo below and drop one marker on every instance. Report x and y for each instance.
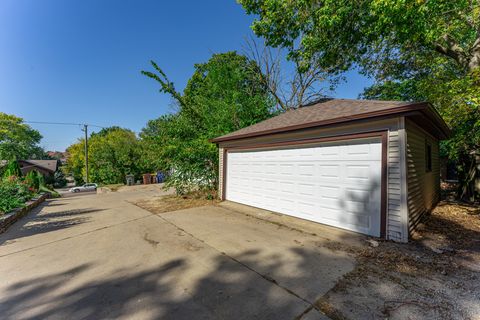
(113, 187)
(435, 276)
(453, 228)
(173, 203)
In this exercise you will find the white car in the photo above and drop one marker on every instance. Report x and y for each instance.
(85, 187)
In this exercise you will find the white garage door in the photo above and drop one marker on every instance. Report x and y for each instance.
(335, 183)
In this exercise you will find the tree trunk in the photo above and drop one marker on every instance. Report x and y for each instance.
(477, 175)
(475, 59)
(467, 175)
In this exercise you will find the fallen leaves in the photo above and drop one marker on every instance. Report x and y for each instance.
(173, 203)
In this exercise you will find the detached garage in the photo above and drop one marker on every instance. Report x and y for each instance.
(367, 166)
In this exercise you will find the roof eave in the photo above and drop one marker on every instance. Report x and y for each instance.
(40, 166)
(419, 106)
(433, 114)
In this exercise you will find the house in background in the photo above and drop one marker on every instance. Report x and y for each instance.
(46, 167)
(62, 156)
(367, 166)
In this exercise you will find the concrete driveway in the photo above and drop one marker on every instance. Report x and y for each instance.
(99, 256)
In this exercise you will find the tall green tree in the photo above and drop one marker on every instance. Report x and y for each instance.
(18, 140)
(415, 50)
(383, 36)
(223, 95)
(158, 142)
(113, 153)
(75, 164)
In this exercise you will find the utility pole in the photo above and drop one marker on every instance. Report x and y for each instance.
(85, 129)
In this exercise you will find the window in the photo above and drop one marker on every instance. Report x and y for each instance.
(428, 157)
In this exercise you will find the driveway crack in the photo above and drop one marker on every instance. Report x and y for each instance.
(266, 277)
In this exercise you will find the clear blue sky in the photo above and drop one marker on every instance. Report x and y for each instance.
(80, 60)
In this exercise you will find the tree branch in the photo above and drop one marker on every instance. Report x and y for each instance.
(166, 86)
(300, 86)
(452, 49)
(474, 61)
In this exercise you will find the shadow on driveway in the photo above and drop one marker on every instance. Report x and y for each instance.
(228, 291)
(38, 222)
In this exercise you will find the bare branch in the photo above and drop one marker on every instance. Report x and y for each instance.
(289, 91)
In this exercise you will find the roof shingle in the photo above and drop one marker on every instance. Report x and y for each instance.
(324, 112)
(50, 165)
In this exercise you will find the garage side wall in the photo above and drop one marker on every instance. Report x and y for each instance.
(423, 185)
(220, 172)
(397, 214)
(397, 220)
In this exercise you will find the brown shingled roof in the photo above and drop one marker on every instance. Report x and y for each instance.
(50, 165)
(328, 111)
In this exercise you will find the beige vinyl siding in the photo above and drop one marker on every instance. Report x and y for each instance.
(395, 228)
(396, 223)
(423, 186)
(220, 172)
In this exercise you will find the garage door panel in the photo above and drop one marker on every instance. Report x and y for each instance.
(286, 169)
(286, 187)
(358, 150)
(330, 152)
(333, 183)
(355, 207)
(347, 220)
(306, 169)
(329, 170)
(306, 189)
(357, 195)
(329, 191)
(358, 171)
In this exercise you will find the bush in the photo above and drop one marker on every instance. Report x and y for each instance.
(34, 180)
(13, 193)
(31, 180)
(59, 179)
(12, 169)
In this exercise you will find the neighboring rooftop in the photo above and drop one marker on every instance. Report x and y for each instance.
(330, 111)
(50, 165)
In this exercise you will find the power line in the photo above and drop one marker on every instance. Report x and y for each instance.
(84, 129)
(60, 123)
(65, 123)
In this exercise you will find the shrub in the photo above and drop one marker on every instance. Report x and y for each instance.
(40, 178)
(60, 180)
(12, 169)
(13, 193)
(31, 180)
(34, 180)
